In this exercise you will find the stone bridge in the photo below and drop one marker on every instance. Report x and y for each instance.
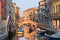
(26, 22)
(26, 29)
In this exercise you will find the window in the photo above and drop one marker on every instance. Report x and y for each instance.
(42, 3)
(4, 14)
(30, 30)
(30, 15)
(54, 24)
(4, 0)
(59, 8)
(56, 9)
(56, 0)
(59, 24)
(53, 9)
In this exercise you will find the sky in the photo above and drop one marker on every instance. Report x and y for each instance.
(26, 4)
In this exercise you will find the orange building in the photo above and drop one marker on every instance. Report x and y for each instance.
(29, 13)
(21, 18)
(3, 8)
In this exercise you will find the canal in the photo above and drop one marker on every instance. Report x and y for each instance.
(18, 38)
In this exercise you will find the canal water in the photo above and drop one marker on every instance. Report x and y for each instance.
(19, 38)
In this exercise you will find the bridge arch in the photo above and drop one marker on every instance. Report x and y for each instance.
(26, 22)
(26, 28)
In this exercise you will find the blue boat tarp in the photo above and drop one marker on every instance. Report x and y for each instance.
(51, 38)
(20, 30)
(55, 36)
(41, 33)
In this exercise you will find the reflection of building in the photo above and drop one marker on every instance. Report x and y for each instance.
(29, 32)
(29, 13)
(56, 14)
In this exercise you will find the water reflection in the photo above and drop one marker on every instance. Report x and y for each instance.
(19, 38)
(22, 38)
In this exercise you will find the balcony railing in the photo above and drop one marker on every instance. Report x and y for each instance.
(56, 15)
(54, 1)
(48, 15)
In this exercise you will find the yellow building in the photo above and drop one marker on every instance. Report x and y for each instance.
(56, 14)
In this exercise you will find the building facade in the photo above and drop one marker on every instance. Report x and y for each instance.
(21, 19)
(40, 8)
(30, 13)
(5, 11)
(0, 8)
(3, 8)
(56, 14)
(43, 14)
(16, 15)
(49, 11)
(16, 11)
(14, 5)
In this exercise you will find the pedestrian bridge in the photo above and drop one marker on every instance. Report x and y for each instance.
(26, 22)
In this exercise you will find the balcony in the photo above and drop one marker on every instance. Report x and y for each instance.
(56, 16)
(54, 1)
(48, 15)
